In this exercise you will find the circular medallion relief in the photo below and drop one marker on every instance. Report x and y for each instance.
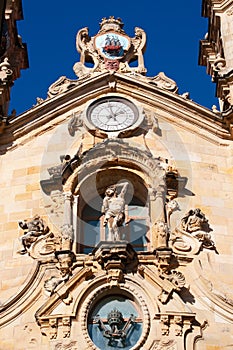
(115, 323)
(115, 318)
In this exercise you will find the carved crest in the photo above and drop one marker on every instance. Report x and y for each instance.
(110, 50)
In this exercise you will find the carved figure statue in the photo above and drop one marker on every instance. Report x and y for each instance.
(33, 229)
(195, 222)
(162, 234)
(114, 209)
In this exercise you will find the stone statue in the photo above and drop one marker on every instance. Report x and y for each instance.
(114, 209)
(195, 223)
(162, 234)
(33, 229)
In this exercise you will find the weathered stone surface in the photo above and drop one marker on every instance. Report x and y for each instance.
(177, 164)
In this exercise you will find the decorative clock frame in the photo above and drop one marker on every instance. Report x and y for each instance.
(130, 125)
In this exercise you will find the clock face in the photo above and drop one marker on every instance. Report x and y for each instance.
(112, 113)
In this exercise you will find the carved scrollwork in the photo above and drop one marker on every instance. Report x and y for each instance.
(72, 345)
(61, 85)
(219, 63)
(163, 82)
(164, 345)
(110, 50)
(75, 123)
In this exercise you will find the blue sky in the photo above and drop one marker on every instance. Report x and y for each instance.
(173, 28)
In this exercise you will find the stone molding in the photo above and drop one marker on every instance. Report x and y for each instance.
(111, 150)
(173, 108)
(129, 289)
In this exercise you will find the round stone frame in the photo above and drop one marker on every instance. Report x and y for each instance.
(120, 133)
(129, 289)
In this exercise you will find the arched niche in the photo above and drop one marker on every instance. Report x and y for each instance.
(117, 153)
(89, 230)
(111, 163)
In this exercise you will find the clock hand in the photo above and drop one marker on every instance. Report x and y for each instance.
(111, 111)
(122, 112)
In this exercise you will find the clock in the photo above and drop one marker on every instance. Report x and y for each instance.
(112, 114)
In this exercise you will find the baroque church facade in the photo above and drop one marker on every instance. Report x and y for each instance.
(116, 199)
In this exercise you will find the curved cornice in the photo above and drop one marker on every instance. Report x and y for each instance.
(27, 295)
(113, 149)
(171, 106)
(203, 285)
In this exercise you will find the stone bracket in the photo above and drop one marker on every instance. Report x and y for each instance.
(116, 258)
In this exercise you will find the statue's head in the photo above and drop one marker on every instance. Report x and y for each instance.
(111, 191)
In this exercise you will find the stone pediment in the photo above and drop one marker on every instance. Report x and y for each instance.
(170, 106)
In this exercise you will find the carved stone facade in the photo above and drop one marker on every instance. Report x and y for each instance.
(13, 55)
(118, 233)
(216, 53)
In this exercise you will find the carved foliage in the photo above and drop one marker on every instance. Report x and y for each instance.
(174, 280)
(163, 82)
(61, 85)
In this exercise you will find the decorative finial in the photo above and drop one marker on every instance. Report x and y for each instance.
(111, 23)
(112, 20)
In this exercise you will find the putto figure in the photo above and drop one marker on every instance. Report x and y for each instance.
(114, 210)
(32, 230)
(194, 221)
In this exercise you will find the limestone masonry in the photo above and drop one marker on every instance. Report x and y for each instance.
(116, 200)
